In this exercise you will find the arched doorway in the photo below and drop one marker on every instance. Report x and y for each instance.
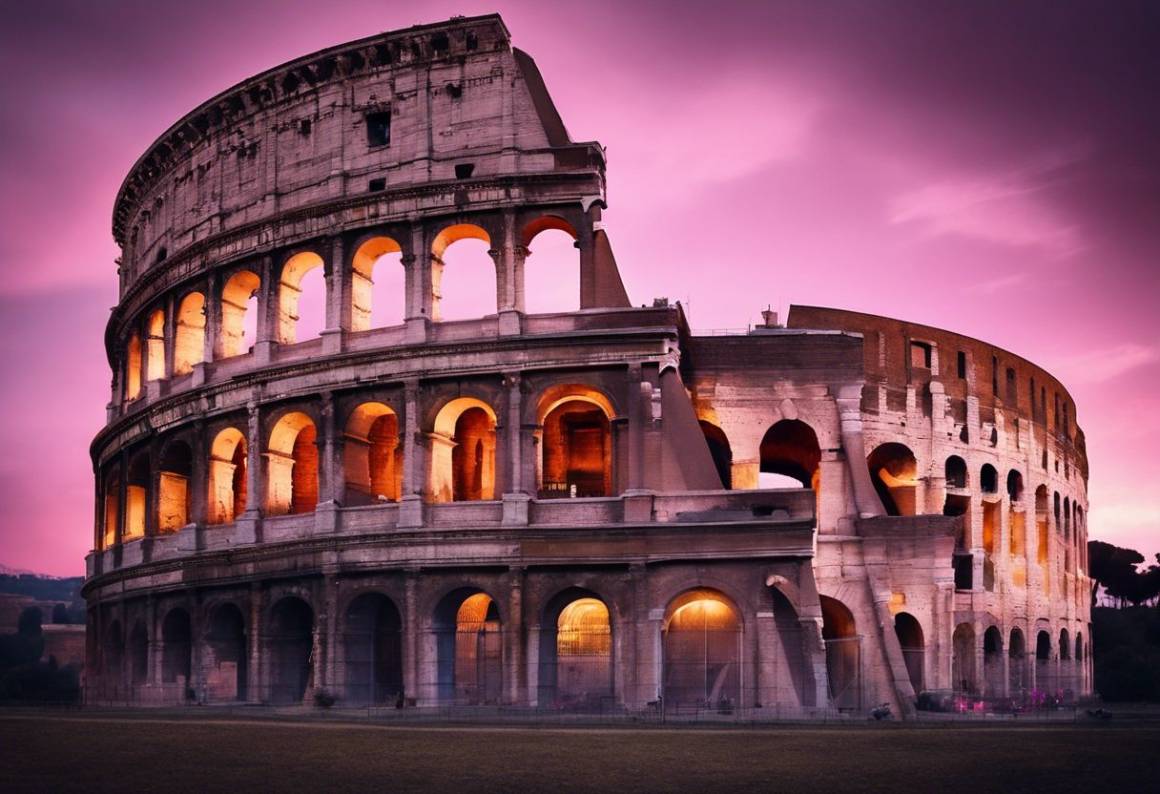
(964, 678)
(227, 656)
(138, 653)
(176, 650)
(909, 633)
(1044, 680)
(576, 653)
(174, 498)
(290, 642)
(227, 476)
(373, 647)
(843, 654)
(894, 472)
(702, 652)
(372, 455)
(469, 649)
(1016, 663)
(993, 677)
(463, 452)
(378, 285)
(576, 444)
(292, 466)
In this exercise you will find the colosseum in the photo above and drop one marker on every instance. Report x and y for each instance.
(597, 509)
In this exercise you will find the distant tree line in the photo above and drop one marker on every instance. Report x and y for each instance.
(1125, 636)
(44, 588)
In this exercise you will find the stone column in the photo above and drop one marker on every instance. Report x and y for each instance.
(419, 263)
(267, 325)
(338, 297)
(411, 637)
(515, 498)
(255, 692)
(330, 470)
(212, 312)
(414, 459)
(248, 525)
(514, 662)
(850, 413)
(153, 672)
(169, 334)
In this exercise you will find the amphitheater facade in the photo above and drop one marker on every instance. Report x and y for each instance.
(594, 509)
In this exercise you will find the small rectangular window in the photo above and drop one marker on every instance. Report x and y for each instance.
(464, 170)
(379, 128)
(1012, 389)
(995, 375)
(962, 360)
(377, 185)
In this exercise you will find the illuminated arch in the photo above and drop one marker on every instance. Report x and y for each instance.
(894, 472)
(721, 452)
(469, 648)
(155, 346)
(363, 265)
(550, 277)
(448, 236)
(843, 653)
(576, 442)
(133, 367)
(290, 293)
(136, 496)
(227, 476)
(112, 507)
(292, 466)
(189, 339)
(463, 452)
(173, 493)
(790, 450)
(372, 456)
(237, 293)
(701, 641)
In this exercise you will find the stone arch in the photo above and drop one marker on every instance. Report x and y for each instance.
(576, 456)
(111, 513)
(290, 290)
(894, 471)
(137, 487)
(721, 452)
(988, 479)
(956, 472)
(910, 639)
(790, 449)
(843, 653)
(155, 345)
(463, 451)
(371, 256)
(1016, 662)
(993, 662)
(1015, 485)
(701, 642)
(964, 677)
(133, 367)
(239, 313)
(1041, 524)
(1045, 680)
(227, 657)
(189, 338)
(469, 648)
(372, 455)
(1064, 646)
(576, 651)
(138, 653)
(227, 476)
(176, 648)
(289, 642)
(373, 650)
(442, 241)
(551, 274)
(174, 497)
(292, 466)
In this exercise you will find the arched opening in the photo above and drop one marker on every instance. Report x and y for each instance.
(1041, 525)
(227, 657)
(173, 495)
(910, 639)
(993, 662)
(463, 452)
(988, 479)
(469, 648)
(292, 466)
(138, 653)
(112, 507)
(843, 654)
(373, 646)
(113, 658)
(794, 661)
(702, 652)
(301, 298)
(956, 472)
(720, 451)
(894, 472)
(133, 368)
(576, 444)
(378, 288)
(576, 653)
(963, 676)
(1080, 672)
(227, 476)
(471, 292)
(789, 456)
(289, 643)
(189, 341)
(1016, 663)
(239, 314)
(1015, 485)
(176, 649)
(136, 497)
(552, 269)
(155, 346)
(372, 456)
(1044, 679)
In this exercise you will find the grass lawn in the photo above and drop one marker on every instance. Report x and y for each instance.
(105, 751)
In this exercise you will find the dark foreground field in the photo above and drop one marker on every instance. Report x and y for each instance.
(98, 752)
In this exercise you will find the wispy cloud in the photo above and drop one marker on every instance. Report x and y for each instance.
(1097, 366)
(992, 286)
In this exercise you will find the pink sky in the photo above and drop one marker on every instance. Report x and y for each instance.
(988, 168)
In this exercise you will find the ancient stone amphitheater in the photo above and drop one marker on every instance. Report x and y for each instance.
(598, 509)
